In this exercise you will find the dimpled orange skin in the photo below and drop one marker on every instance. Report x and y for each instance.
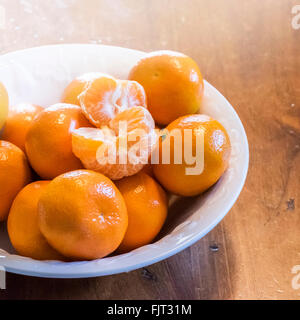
(23, 228)
(18, 122)
(49, 140)
(147, 207)
(173, 84)
(14, 175)
(83, 215)
(216, 157)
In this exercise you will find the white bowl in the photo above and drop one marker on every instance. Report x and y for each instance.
(38, 75)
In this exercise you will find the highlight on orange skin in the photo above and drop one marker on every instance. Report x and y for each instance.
(83, 215)
(14, 175)
(23, 228)
(18, 122)
(49, 140)
(217, 148)
(173, 84)
(147, 207)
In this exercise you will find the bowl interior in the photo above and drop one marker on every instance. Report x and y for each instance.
(39, 75)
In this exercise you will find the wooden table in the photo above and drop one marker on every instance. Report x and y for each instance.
(251, 53)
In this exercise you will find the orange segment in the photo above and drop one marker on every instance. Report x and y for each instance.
(132, 95)
(104, 97)
(135, 118)
(85, 144)
(98, 100)
(141, 136)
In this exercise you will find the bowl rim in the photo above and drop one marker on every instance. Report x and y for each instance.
(5, 261)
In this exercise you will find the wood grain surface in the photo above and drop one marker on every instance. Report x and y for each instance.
(251, 53)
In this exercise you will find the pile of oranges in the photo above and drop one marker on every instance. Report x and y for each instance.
(60, 193)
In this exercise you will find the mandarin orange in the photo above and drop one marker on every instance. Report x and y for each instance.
(213, 144)
(23, 228)
(18, 122)
(49, 140)
(147, 207)
(83, 215)
(173, 84)
(14, 175)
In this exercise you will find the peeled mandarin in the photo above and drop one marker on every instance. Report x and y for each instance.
(101, 149)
